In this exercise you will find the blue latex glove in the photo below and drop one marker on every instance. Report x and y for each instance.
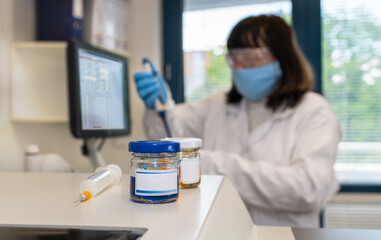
(151, 86)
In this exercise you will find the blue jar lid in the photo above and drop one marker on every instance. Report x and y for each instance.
(154, 147)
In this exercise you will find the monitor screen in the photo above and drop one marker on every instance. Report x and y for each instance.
(98, 92)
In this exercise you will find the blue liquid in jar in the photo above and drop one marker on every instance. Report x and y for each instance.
(151, 199)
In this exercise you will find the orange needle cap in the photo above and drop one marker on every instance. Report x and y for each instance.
(87, 194)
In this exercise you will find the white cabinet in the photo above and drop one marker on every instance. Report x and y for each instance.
(39, 81)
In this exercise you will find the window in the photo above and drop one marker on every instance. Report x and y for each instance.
(352, 84)
(347, 66)
(205, 69)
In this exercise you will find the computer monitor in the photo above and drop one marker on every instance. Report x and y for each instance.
(98, 96)
(98, 92)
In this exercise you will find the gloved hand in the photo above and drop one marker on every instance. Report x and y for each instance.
(150, 86)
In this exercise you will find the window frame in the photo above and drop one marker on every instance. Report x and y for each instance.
(172, 12)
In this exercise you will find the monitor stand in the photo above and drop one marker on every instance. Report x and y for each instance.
(90, 149)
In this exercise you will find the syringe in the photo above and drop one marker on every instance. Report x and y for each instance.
(101, 179)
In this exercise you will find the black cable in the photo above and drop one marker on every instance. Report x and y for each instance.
(85, 149)
(162, 114)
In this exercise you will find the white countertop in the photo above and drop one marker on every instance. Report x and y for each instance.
(212, 211)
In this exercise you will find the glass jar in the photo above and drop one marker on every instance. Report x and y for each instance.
(154, 171)
(190, 164)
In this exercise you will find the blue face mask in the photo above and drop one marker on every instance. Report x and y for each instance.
(257, 83)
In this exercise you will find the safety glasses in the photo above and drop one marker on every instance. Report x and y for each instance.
(248, 57)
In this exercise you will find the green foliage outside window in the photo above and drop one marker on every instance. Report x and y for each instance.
(351, 75)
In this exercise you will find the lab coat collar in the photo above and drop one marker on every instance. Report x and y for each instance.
(235, 109)
(237, 121)
(240, 111)
(241, 117)
(280, 114)
(283, 113)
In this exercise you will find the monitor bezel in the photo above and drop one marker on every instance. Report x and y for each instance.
(75, 115)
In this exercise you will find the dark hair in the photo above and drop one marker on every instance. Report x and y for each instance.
(274, 32)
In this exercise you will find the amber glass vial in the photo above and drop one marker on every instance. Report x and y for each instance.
(189, 161)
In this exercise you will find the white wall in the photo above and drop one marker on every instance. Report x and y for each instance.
(17, 23)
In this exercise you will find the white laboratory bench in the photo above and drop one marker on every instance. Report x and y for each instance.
(212, 211)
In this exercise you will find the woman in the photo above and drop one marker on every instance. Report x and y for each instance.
(274, 139)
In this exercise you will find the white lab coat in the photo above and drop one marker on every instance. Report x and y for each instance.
(283, 170)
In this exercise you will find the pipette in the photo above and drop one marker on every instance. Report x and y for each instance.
(100, 180)
(159, 105)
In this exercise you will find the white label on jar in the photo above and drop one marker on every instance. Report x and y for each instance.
(155, 182)
(190, 170)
